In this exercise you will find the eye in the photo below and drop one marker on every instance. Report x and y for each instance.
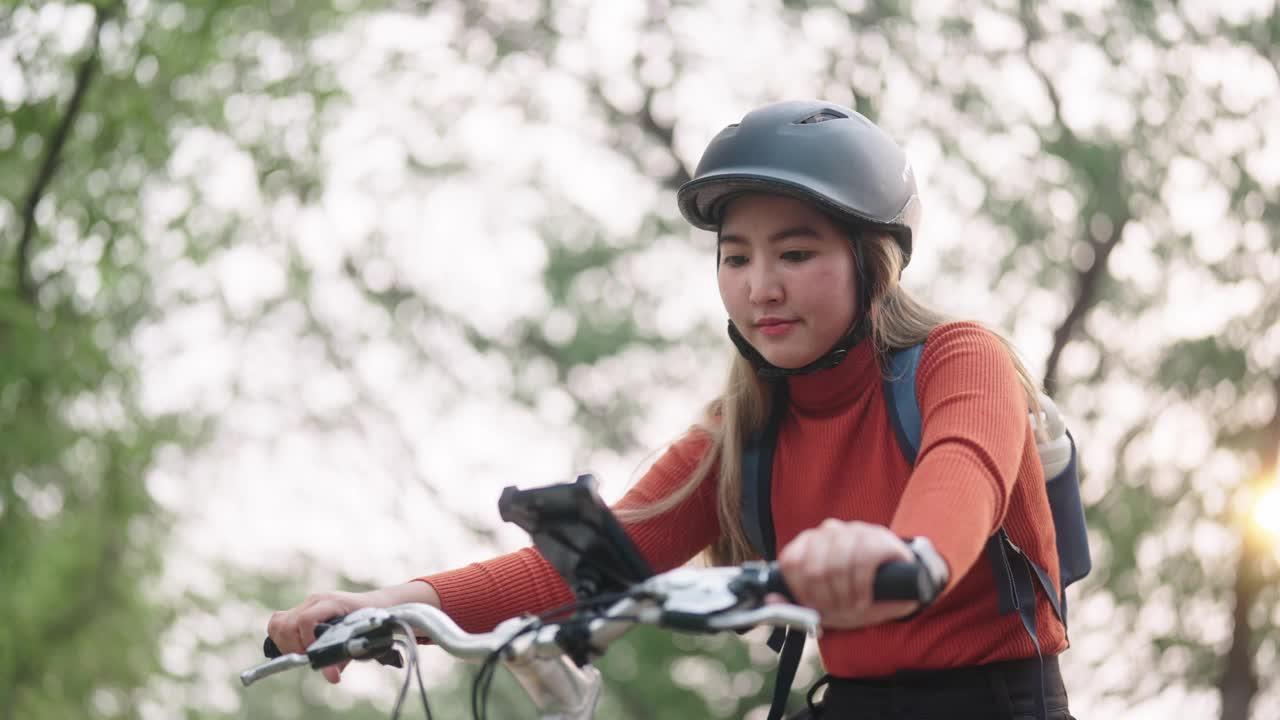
(733, 261)
(797, 255)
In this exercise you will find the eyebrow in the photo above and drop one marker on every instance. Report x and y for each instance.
(785, 233)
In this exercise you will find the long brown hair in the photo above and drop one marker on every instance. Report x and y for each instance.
(897, 321)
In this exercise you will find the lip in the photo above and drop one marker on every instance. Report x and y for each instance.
(774, 326)
(773, 320)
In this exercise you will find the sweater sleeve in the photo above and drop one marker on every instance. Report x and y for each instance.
(974, 417)
(482, 594)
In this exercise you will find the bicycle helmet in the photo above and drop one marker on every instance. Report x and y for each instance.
(817, 151)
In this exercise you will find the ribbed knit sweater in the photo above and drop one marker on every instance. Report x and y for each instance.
(837, 457)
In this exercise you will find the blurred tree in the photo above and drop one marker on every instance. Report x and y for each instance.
(95, 97)
(1112, 162)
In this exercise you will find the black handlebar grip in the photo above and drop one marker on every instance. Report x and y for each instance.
(903, 581)
(271, 650)
(893, 581)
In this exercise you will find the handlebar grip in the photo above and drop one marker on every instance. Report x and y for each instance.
(271, 650)
(903, 581)
(894, 581)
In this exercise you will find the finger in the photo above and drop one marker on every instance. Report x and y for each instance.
(895, 548)
(286, 633)
(313, 616)
(277, 630)
(815, 572)
(862, 573)
(794, 550)
(333, 673)
(842, 558)
(789, 562)
(307, 631)
(296, 638)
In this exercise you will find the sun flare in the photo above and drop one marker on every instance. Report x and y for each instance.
(1266, 512)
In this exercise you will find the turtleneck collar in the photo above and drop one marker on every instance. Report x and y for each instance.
(836, 387)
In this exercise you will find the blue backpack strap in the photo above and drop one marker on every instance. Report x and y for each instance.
(1039, 575)
(900, 400)
(757, 523)
(757, 479)
(1024, 596)
(751, 491)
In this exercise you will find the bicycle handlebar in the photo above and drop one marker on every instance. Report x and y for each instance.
(550, 659)
(696, 599)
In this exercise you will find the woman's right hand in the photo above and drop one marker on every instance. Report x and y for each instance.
(294, 629)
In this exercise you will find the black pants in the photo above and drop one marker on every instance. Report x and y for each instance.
(999, 691)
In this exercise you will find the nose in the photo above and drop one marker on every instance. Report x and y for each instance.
(765, 287)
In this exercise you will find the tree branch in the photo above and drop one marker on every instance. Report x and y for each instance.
(644, 118)
(1031, 28)
(53, 154)
(1089, 283)
(665, 135)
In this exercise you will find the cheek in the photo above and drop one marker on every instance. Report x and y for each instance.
(832, 290)
(728, 295)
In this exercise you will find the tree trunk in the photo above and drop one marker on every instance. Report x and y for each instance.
(1239, 684)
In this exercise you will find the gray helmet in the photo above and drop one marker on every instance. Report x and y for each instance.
(817, 151)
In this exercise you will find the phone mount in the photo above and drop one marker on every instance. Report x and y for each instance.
(578, 534)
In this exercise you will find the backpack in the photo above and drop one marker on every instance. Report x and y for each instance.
(1016, 575)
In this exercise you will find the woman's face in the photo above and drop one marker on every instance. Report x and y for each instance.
(787, 278)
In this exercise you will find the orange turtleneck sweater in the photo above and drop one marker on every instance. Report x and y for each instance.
(837, 457)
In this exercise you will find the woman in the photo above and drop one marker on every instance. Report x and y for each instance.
(816, 211)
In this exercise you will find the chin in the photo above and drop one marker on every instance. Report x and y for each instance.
(789, 361)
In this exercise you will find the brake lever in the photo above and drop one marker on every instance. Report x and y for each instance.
(391, 656)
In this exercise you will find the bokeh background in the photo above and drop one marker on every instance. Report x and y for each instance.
(289, 290)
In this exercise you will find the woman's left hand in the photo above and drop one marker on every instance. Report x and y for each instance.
(831, 568)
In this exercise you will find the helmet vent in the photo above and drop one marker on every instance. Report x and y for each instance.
(822, 116)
